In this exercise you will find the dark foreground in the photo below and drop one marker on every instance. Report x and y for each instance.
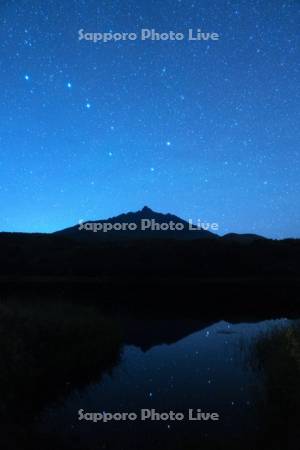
(65, 348)
(163, 325)
(167, 296)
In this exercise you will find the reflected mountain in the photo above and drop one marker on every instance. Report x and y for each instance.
(58, 357)
(146, 334)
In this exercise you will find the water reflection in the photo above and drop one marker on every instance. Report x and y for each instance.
(208, 369)
(55, 362)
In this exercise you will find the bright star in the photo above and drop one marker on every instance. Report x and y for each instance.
(69, 85)
(88, 105)
(110, 154)
(26, 77)
(152, 169)
(168, 143)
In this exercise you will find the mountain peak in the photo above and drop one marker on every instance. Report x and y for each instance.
(146, 224)
(147, 210)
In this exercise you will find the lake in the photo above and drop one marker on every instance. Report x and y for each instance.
(235, 370)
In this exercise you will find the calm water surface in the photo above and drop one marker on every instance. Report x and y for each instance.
(171, 365)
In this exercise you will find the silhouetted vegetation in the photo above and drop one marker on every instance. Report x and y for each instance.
(46, 351)
(263, 273)
(26, 254)
(276, 355)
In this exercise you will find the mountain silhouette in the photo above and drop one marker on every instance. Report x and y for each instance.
(142, 224)
(151, 265)
(246, 238)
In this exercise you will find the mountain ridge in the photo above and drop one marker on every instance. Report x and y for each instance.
(157, 229)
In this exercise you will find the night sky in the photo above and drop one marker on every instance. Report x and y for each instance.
(205, 130)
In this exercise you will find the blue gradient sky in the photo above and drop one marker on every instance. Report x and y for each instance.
(206, 130)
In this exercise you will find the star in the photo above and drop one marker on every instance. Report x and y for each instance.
(157, 112)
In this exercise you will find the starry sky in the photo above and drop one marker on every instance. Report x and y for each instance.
(205, 130)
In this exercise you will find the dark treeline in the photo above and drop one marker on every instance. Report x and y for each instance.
(41, 254)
